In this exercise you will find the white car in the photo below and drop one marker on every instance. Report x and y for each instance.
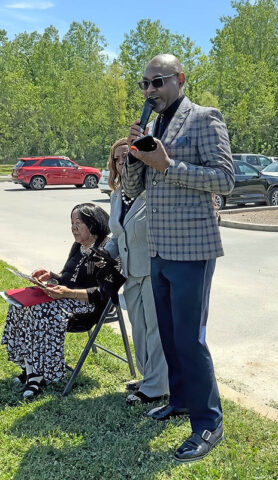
(256, 160)
(103, 182)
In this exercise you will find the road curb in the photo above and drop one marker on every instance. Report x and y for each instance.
(244, 225)
(248, 402)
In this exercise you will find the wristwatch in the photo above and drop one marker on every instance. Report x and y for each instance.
(165, 171)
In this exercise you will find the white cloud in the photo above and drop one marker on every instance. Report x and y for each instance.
(30, 5)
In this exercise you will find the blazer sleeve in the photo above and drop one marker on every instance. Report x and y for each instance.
(112, 247)
(133, 177)
(216, 171)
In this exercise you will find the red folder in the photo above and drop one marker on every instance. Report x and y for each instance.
(28, 296)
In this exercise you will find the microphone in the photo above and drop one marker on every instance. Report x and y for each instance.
(146, 143)
(146, 112)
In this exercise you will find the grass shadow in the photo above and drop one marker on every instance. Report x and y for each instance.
(11, 395)
(93, 438)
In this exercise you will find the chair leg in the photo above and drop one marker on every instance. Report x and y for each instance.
(86, 350)
(125, 340)
(94, 348)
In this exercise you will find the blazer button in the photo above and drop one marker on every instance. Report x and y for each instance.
(154, 182)
(154, 210)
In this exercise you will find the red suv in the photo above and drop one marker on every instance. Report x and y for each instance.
(36, 172)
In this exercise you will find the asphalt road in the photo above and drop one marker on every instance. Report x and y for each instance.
(242, 325)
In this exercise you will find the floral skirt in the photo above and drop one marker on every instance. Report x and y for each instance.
(37, 334)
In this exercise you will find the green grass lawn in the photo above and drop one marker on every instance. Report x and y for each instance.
(92, 434)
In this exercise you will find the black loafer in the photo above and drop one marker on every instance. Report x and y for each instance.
(198, 446)
(138, 398)
(164, 413)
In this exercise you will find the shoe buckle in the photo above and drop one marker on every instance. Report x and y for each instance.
(206, 435)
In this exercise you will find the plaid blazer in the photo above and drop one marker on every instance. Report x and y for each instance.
(181, 219)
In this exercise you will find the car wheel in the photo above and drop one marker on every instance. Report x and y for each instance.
(272, 199)
(79, 186)
(219, 201)
(91, 181)
(37, 183)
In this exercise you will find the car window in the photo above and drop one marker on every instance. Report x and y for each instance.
(236, 157)
(245, 169)
(50, 162)
(272, 167)
(264, 161)
(25, 163)
(66, 163)
(252, 160)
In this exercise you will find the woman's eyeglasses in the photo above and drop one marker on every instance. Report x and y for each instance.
(156, 82)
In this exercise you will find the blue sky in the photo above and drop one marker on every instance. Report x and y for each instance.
(197, 19)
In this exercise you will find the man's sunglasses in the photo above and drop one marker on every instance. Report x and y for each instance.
(156, 82)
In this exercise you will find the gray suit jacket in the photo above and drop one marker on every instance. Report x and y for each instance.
(130, 239)
(181, 220)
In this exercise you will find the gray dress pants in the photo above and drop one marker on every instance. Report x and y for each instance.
(150, 358)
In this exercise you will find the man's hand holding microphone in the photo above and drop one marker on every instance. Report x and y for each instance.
(144, 147)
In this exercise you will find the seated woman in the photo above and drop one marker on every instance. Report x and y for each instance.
(35, 335)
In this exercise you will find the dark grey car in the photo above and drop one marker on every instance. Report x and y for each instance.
(251, 186)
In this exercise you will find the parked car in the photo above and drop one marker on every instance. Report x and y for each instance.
(103, 182)
(273, 159)
(36, 172)
(251, 186)
(258, 161)
(271, 169)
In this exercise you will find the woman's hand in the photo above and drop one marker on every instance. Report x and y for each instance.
(101, 262)
(41, 274)
(60, 291)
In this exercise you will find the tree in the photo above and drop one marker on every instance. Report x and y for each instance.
(244, 75)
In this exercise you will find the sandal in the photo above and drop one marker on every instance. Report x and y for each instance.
(20, 379)
(133, 385)
(33, 387)
(138, 398)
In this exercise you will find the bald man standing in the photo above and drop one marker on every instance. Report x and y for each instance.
(192, 160)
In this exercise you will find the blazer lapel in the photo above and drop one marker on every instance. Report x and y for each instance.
(177, 121)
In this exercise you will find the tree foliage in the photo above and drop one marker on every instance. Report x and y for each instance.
(244, 75)
(62, 96)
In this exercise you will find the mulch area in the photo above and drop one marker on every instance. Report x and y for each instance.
(261, 217)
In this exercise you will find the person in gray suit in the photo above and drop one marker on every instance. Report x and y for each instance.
(191, 161)
(128, 226)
